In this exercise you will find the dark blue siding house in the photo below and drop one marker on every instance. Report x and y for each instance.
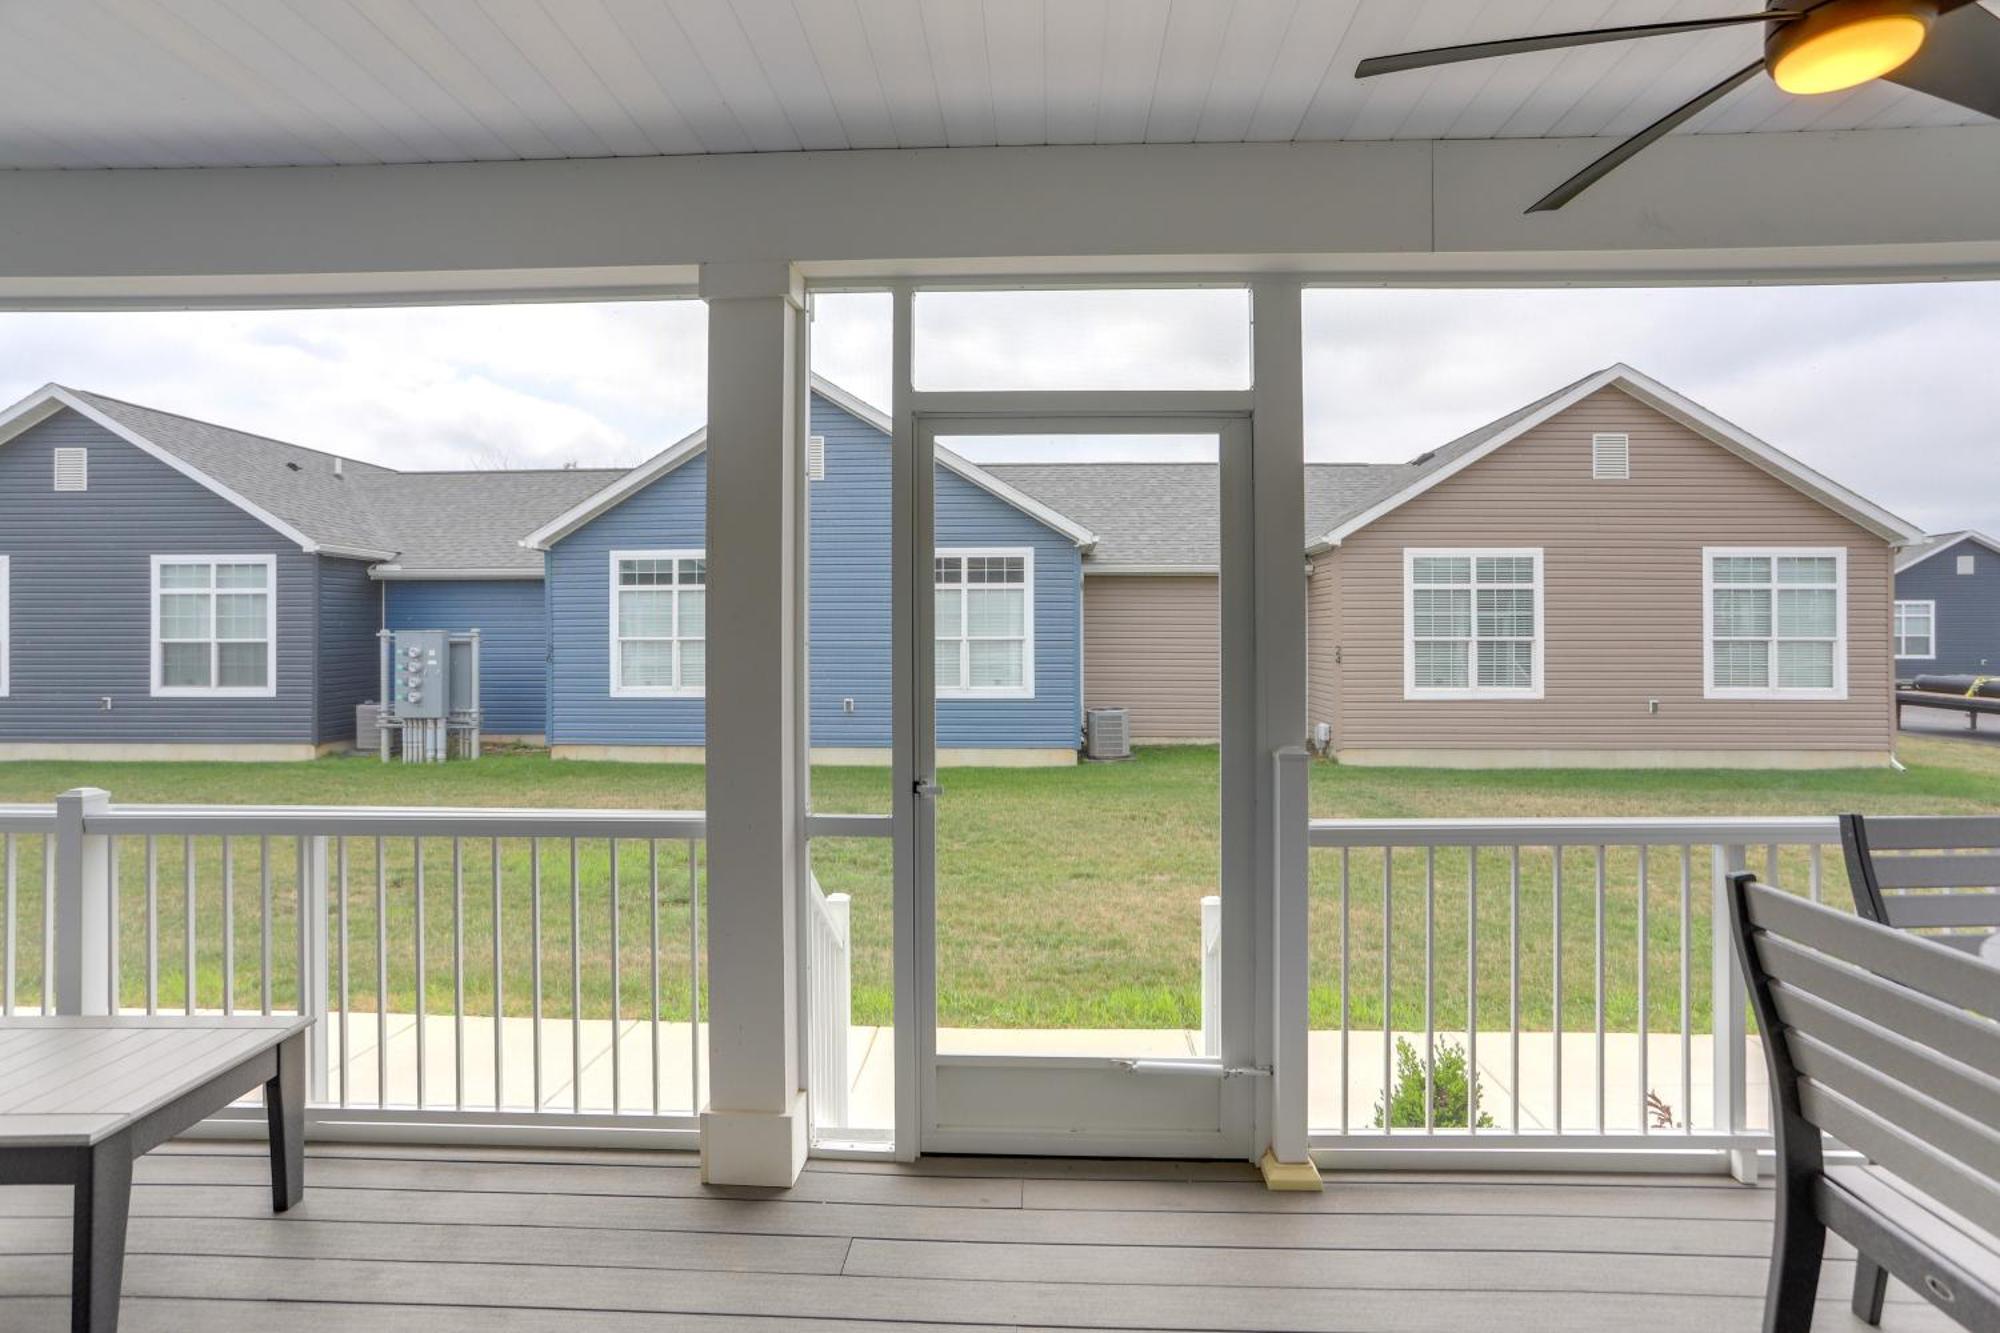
(236, 586)
(1948, 606)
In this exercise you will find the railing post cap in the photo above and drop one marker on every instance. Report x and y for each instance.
(85, 796)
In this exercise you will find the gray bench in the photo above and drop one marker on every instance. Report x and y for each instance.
(82, 1098)
(1925, 854)
(1889, 1044)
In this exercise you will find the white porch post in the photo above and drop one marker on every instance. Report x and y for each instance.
(1278, 483)
(753, 1131)
(83, 921)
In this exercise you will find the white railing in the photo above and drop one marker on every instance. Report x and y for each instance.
(1636, 906)
(1211, 976)
(470, 967)
(829, 973)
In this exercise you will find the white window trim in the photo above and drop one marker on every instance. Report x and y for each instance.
(1896, 629)
(269, 689)
(1472, 690)
(6, 625)
(1709, 689)
(618, 688)
(1026, 689)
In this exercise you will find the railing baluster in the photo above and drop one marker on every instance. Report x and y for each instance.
(152, 924)
(535, 962)
(340, 860)
(48, 923)
(617, 975)
(1514, 985)
(112, 960)
(187, 923)
(1556, 1008)
(13, 924)
(653, 898)
(417, 857)
(264, 889)
(1430, 987)
(1346, 1018)
(575, 981)
(694, 979)
(1388, 997)
(1815, 871)
(1645, 1026)
(381, 977)
(1687, 1022)
(458, 973)
(1472, 989)
(228, 924)
(499, 988)
(1600, 988)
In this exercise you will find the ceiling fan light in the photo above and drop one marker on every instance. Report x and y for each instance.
(1847, 42)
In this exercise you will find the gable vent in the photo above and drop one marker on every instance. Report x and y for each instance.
(72, 469)
(1611, 457)
(1967, 564)
(815, 458)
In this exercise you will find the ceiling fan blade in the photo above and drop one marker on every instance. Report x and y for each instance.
(1451, 55)
(1960, 62)
(1624, 152)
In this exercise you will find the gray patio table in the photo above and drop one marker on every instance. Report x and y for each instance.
(81, 1098)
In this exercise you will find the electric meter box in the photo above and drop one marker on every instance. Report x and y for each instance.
(422, 676)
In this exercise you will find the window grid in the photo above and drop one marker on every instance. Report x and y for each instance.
(1775, 623)
(1916, 630)
(984, 628)
(214, 626)
(1474, 623)
(659, 623)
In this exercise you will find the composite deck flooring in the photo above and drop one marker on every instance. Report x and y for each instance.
(446, 1240)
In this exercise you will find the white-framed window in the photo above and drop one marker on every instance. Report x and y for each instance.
(215, 626)
(6, 623)
(985, 627)
(1472, 623)
(659, 623)
(1774, 622)
(1916, 629)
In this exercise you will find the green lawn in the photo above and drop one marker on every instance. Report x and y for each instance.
(1067, 897)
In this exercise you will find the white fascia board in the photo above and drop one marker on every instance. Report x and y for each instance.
(51, 398)
(563, 524)
(397, 574)
(1910, 560)
(1149, 571)
(1687, 412)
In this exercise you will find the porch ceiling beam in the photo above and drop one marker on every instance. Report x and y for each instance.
(1697, 207)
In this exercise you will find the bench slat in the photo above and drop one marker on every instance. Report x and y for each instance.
(1936, 870)
(1964, 1089)
(1948, 1181)
(1916, 911)
(1902, 833)
(1952, 1133)
(1913, 1016)
(1942, 973)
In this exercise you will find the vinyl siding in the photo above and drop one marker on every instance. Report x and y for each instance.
(1153, 644)
(350, 611)
(1968, 610)
(1323, 630)
(513, 640)
(849, 616)
(1623, 599)
(92, 549)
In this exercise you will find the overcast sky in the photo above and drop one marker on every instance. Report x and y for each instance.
(1893, 390)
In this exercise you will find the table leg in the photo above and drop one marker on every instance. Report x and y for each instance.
(285, 1111)
(97, 1249)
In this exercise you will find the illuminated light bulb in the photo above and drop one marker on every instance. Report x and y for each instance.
(1845, 43)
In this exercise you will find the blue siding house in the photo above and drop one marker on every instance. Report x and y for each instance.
(1948, 606)
(626, 597)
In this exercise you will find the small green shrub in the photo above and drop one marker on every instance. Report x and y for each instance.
(1449, 1097)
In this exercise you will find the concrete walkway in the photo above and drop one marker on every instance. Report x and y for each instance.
(568, 1050)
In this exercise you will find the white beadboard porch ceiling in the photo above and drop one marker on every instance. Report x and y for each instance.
(173, 83)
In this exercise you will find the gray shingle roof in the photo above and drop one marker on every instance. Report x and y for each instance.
(474, 520)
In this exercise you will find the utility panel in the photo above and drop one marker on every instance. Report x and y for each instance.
(422, 660)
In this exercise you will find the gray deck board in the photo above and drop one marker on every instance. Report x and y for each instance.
(495, 1241)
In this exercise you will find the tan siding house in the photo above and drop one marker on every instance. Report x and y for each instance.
(1625, 672)
(1152, 644)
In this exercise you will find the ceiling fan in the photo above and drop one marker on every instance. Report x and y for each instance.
(1947, 48)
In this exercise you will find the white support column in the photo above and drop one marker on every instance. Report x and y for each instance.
(83, 905)
(1278, 481)
(753, 1131)
(1729, 1011)
(315, 853)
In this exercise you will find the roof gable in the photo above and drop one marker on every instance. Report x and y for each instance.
(1462, 453)
(658, 466)
(1939, 543)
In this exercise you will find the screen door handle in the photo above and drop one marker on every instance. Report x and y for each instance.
(927, 787)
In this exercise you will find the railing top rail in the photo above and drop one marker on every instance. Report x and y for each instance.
(27, 818)
(396, 821)
(1693, 829)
